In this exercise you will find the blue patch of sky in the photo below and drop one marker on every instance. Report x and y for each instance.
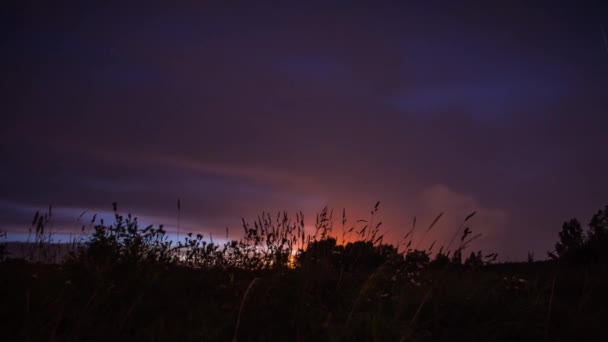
(442, 76)
(483, 99)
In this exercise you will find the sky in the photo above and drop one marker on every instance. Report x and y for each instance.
(236, 108)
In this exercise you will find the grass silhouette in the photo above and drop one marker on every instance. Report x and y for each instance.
(280, 282)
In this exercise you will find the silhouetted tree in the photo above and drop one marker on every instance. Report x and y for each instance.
(323, 251)
(364, 255)
(570, 238)
(599, 225)
(597, 237)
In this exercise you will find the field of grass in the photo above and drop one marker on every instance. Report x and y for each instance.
(279, 283)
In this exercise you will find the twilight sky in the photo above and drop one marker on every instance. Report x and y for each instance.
(236, 108)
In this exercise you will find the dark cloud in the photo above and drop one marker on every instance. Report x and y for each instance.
(498, 108)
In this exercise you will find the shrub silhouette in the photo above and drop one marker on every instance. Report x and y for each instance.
(417, 259)
(474, 260)
(578, 246)
(441, 260)
(358, 255)
(125, 242)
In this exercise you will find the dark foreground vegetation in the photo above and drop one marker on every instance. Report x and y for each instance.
(279, 283)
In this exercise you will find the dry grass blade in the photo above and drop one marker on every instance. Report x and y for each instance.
(429, 228)
(470, 215)
(435, 221)
(459, 228)
(363, 290)
(417, 313)
(238, 318)
(467, 242)
(548, 324)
